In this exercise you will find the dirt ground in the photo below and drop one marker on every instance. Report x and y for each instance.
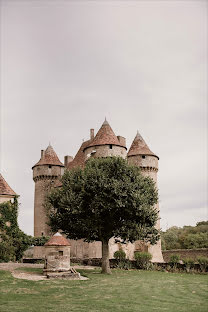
(32, 276)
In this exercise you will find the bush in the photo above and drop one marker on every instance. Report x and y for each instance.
(174, 260)
(143, 260)
(203, 263)
(188, 263)
(119, 255)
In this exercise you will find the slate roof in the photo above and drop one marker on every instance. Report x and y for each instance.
(5, 189)
(139, 147)
(57, 240)
(79, 159)
(49, 158)
(105, 136)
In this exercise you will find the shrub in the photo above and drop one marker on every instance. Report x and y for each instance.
(174, 259)
(143, 260)
(119, 255)
(188, 263)
(203, 263)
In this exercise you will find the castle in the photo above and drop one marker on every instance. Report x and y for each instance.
(48, 170)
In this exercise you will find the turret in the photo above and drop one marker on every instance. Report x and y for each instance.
(140, 155)
(105, 143)
(46, 173)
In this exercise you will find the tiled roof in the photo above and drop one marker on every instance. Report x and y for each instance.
(49, 157)
(57, 240)
(105, 136)
(5, 189)
(139, 147)
(79, 159)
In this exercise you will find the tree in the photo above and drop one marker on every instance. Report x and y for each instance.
(108, 198)
(188, 237)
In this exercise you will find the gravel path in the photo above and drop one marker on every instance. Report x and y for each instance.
(32, 276)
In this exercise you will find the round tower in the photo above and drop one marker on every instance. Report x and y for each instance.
(140, 155)
(105, 143)
(46, 173)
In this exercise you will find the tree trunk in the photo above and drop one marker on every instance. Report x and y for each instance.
(105, 258)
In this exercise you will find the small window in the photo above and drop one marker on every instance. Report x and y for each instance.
(111, 146)
(49, 166)
(143, 156)
(42, 234)
(61, 253)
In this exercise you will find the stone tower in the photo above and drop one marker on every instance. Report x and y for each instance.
(105, 143)
(140, 155)
(46, 173)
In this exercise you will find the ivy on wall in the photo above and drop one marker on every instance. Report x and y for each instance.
(13, 241)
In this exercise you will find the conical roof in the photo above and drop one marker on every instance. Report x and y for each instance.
(139, 147)
(57, 240)
(79, 159)
(49, 157)
(5, 189)
(105, 136)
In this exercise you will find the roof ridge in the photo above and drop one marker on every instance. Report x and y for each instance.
(5, 189)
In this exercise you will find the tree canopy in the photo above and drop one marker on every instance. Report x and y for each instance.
(108, 198)
(187, 237)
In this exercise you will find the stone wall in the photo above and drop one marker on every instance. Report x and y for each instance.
(185, 253)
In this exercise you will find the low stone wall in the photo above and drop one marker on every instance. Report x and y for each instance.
(185, 253)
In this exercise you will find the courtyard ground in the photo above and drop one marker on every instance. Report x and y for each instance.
(129, 291)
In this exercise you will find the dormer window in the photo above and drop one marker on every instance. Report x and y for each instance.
(143, 156)
(111, 146)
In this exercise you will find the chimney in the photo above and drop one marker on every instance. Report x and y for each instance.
(67, 160)
(42, 153)
(122, 140)
(92, 135)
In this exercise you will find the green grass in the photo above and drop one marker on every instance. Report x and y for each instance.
(127, 291)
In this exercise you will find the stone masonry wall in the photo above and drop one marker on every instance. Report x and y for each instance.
(185, 253)
(105, 151)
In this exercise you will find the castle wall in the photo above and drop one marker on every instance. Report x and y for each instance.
(105, 151)
(149, 168)
(44, 177)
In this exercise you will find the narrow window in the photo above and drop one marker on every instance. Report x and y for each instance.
(61, 253)
(111, 146)
(143, 156)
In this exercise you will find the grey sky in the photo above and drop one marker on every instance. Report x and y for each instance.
(65, 65)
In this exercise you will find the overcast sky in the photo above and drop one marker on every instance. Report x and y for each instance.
(65, 65)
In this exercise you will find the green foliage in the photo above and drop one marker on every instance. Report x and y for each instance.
(188, 237)
(119, 255)
(108, 198)
(13, 241)
(189, 264)
(39, 241)
(203, 262)
(143, 260)
(174, 259)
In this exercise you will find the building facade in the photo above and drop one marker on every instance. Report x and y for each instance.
(47, 173)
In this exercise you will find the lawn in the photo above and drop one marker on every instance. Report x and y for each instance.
(127, 291)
